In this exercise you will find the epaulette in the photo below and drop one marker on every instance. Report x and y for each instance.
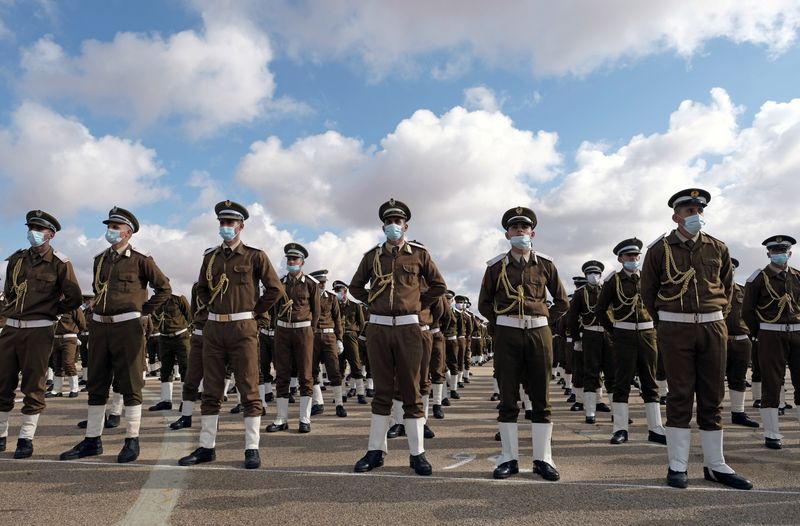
(611, 275)
(544, 256)
(312, 278)
(417, 244)
(715, 239)
(373, 248)
(209, 251)
(142, 252)
(656, 240)
(60, 255)
(251, 248)
(753, 275)
(100, 253)
(15, 253)
(495, 259)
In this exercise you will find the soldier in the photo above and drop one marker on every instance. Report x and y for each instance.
(194, 368)
(116, 339)
(228, 290)
(394, 339)
(328, 344)
(352, 323)
(83, 338)
(151, 336)
(266, 343)
(40, 285)
(296, 313)
(771, 309)
(173, 318)
(450, 347)
(441, 319)
(575, 355)
(513, 298)
(686, 284)
(634, 335)
(65, 348)
(739, 347)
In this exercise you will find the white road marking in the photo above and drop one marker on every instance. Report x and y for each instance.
(461, 458)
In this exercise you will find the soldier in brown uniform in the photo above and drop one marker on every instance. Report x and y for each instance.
(328, 344)
(450, 347)
(394, 339)
(739, 347)
(40, 285)
(151, 336)
(352, 323)
(590, 338)
(65, 348)
(771, 309)
(122, 275)
(512, 298)
(174, 344)
(198, 314)
(621, 312)
(266, 344)
(228, 289)
(83, 338)
(441, 319)
(575, 356)
(687, 283)
(297, 312)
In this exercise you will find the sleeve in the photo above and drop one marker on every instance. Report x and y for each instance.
(70, 289)
(361, 278)
(434, 279)
(203, 287)
(752, 291)
(486, 298)
(158, 282)
(186, 310)
(313, 301)
(726, 275)
(336, 314)
(80, 319)
(604, 303)
(650, 282)
(273, 288)
(559, 294)
(573, 316)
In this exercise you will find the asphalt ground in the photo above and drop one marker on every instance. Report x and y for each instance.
(309, 479)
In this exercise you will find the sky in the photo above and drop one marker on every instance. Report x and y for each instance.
(313, 113)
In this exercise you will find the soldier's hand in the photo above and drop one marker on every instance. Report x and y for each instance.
(340, 346)
(578, 346)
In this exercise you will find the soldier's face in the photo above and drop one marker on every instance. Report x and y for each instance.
(682, 212)
(236, 225)
(520, 229)
(48, 234)
(125, 231)
(295, 261)
(628, 257)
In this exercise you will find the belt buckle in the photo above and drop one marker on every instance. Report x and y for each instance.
(107, 319)
(223, 317)
(697, 317)
(787, 327)
(394, 321)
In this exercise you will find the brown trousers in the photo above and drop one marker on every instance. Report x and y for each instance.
(776, 350)
(152, 348)
(351, 355)
(437, 362)
(738, 361)
(694, 359)
(194, 369)
(395, 354)
(425, 363)
(117, 354)
(234, 343)
(174, 350)
(293, 346)
(266, 344)
(560, 354)
(25, 351)
(462, 352)
(451, 355)
(635, 352)
(523, 356)
(362, 352)
(597, 358)
(326, 351)
(64, 353)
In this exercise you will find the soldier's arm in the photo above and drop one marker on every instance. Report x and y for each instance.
(604, 303)
(485, 299)
(70, 289)
(80, 319)
(360, 318)
(651, 281)
(273, 288)
(313, 301)
(559, 294)
(185, 309)
(752, 291)
(336, 314)
(726, 274)
(573, 315)
(361, 278)
(158, 282)
(203, 287)
(434, 279)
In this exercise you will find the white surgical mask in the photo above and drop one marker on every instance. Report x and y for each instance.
(593, 279)
(36, 238)
(113, 236)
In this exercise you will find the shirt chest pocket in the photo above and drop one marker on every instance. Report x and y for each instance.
(125, 282)
(408, 274)
(534, 283)
(711, 267)
(243, 273)
(45, 281)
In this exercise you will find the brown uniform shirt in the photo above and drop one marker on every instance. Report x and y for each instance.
(626, 306)
(583, 310)
(148, 326)
(709, 290)
(537, 276)
(173, 315)
(121, 281)
(303, 291)
(243, 268)
(199, 315)
(46, 285)
(72, 322)
(329, 315)
(439, 311)
(397, 272)
(759, 306)
(352, 316)
(733, 319)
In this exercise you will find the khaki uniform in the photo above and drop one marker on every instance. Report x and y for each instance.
(194, 368)
(328, 331)
(352, 324)
(585, 327)
(174, 343)
(65, 345)
(739, 344)
(295, 343)
(266, 343)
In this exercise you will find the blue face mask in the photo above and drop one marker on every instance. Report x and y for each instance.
(113, 236)
(694, 224)
(393, 232)
(293, 268)
(779, 259)
(35, 238)
(521, 242)
(631, 266)
(228, 233)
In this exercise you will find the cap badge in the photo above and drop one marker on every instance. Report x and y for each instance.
(38, 213)
(695, 193)
(228, 202)
(779, 239)
(519, 210)
(391, 201)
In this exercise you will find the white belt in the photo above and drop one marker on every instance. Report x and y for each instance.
(297, 325)
(528, 322)
(476, 337)
(782, 327)
(29, 324)
(451, 338)
(362, 338)
(436, 330)
(117, 318)
(594, 328)
(85, 333)
(197, 332)
(175, 334)
(634, 326)
(267, 332)
(66, 336)
(155, 334)
(236, 316)
(690, 317)
(324, 331)
(408, 319)
(424, 327)
(556, 336)
(739, 337)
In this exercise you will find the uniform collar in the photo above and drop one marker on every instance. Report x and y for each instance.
(404, 247)
(773, 271)
(521, 258)
(677, 238)
(235, 248)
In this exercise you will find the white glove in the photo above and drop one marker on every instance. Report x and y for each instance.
(340, 346)
(578, 346)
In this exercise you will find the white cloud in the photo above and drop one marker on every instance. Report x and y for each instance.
(552, 37)
(54, 162)
(481, 98)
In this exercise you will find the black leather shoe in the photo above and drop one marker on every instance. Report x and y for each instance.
(571, 399)
(420, 464)
(466, 381)
(161, 406)
(601, 407)
(495, 397)
(88, 447)
(577, 406)
(545, 470)
(619, 437)
(757, 403)
(341, 411)
(437, 412)
(731, 480)
(505, 470)
(370, 393)
(529, 414)
(658, 438)
(51, 394)
(446, 402)
(199, 456)
(590, 420)
(291, 398)
(269, 397)
(361, 399)
(561, 382)
(454, 395)
(497, 437)
(304, 427)
(232, 390)
(397, 430)
(567, 392)
(235, 410)
(677, 479)
(2, 444)
(274, 428)
(460, 385)
(129, 452)
(742, 419)
(83, 423)
(111, 422)
(773, 443)
(781, 411)
(351, 393)
(251, 459)
(73, 394)
(24, 448)
(427, 432)
(82, 382)
(182, 423)
(373, 459)
(662, 400)
(317, 409)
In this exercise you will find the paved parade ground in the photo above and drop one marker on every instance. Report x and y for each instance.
(308, 479)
